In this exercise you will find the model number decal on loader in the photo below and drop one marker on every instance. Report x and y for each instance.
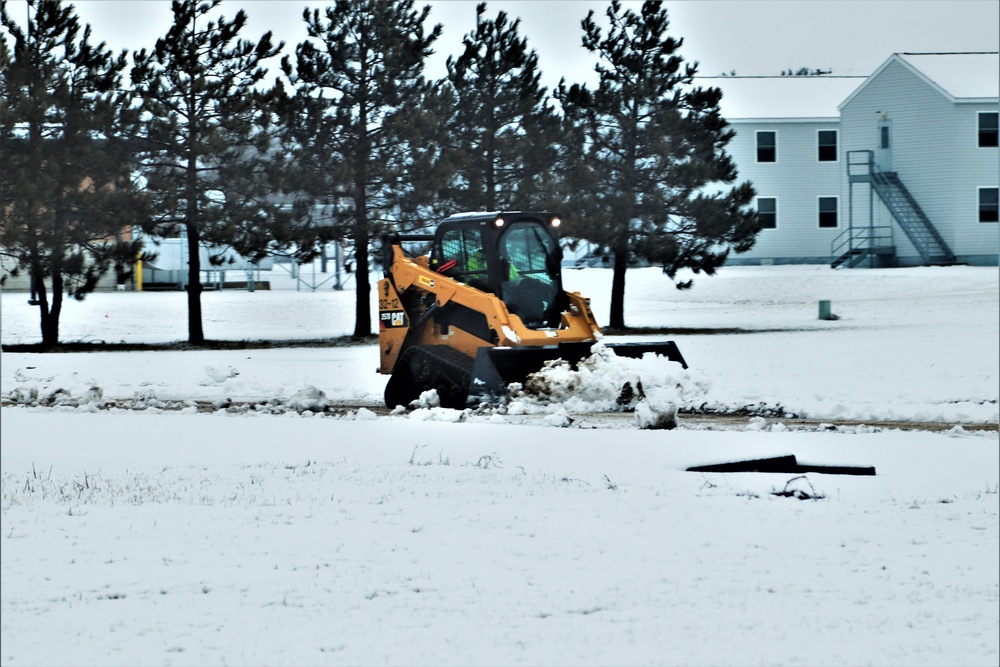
(393, 319)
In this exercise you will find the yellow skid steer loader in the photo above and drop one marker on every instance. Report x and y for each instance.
(484, 309)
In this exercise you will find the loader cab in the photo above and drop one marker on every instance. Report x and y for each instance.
(514, 255)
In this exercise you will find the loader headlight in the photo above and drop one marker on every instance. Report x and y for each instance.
(498, 223)
(556, 221)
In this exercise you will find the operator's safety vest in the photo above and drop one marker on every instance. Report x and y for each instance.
(477, 264)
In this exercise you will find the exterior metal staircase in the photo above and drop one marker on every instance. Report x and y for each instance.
(875, 244)
(911, 218)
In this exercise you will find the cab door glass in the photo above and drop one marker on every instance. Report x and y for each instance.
(529, 266)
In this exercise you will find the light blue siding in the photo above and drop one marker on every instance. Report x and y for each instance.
(797, 179)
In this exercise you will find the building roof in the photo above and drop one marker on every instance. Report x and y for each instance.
(958, 76)
(782, 97)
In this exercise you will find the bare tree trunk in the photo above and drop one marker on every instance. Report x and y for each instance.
(616, 319)
(362, 311)
(196, 334)
(56, 309)
(42, 301)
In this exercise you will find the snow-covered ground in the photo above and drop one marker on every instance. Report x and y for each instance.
(277, 535)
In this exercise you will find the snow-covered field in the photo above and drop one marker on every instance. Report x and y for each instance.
(151, 533)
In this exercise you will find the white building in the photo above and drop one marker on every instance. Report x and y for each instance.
(169, 269)
(899, 168)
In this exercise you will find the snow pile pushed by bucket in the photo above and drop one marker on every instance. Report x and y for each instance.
(653, 387)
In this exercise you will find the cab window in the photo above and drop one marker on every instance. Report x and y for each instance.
(461, 257)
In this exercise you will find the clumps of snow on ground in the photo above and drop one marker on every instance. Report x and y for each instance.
(438, 415)
(653, 387)
(427, 408)
(308, 400)
(363, 415)
(89, 399)
(427, 400)
(560, 419)
(219, 374)
(656, 417)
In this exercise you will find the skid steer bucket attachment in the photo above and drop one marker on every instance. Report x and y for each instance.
(496, 368)
(637, 350)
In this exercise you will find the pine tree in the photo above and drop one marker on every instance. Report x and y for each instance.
(652, 177)
(8, 120)
(500, 120)
(67, 199)
(211, 155)
(359, 118)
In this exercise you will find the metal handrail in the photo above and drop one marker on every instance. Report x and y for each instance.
(868, 163)
(861, 238)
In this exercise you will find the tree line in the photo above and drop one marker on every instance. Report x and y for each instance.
(198, 143)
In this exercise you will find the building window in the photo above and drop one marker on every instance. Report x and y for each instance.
(828, 212)
(767, 147)
(827, 140)
(883, 134)
(987, 129)
(767, 212)
(988, 207)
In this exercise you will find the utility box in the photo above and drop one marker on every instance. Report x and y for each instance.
(824, 310)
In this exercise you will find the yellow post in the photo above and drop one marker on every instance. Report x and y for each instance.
(138, 274)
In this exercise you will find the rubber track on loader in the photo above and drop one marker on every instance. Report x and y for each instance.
(442, 368)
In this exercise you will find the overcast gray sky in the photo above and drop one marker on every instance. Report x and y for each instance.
(752, 37)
